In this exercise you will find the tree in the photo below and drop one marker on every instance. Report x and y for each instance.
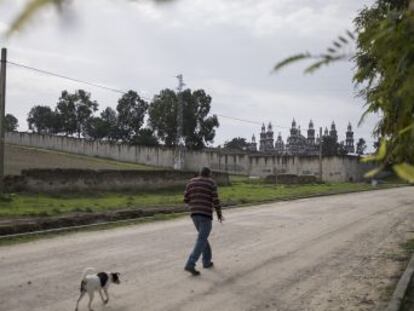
(131, 112)
(11, 123)
(361, 146)
(43, 120)
(110, 119)
(329, 146)
(198, 126)
(384, 75)
(75, 110)
(95, 129)
(342, 149)
(236, 143)
(163, 116)
(145, 137)
(103, 127)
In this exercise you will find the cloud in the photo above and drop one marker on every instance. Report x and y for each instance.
(227, 47)
(260, 18)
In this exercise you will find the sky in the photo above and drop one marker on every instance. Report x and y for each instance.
(226, 47)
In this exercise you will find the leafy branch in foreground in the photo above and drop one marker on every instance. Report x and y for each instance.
(339, 50)
(33, 7)
(385, 76)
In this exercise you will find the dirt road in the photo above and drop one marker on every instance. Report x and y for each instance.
(329, 253)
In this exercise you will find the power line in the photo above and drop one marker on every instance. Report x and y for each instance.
(46, 72)
(248, 121)
(67, 78)
(115, 90)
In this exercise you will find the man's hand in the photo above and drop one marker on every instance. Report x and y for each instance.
(220, 218)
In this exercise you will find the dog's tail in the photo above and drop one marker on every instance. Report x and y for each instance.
(87, 272)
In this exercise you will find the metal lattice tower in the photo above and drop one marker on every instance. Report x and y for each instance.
(179, 160)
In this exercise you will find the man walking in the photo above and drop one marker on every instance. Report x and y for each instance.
(201, 197)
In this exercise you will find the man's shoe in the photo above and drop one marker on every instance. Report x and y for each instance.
(192, 270)
(210, 265)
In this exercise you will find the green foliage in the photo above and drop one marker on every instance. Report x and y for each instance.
(292, 59)
(361, 146)
(74, 115)
(74, 111)
(405, 171)
(109, 119)
(131, 110)
(104, 127)
(43, 120)
(32, 7)
(145, 137)
(329, 146)
(236, 143)
(338, 51)
(240, 192)
(163, 116)
(342, 149)
(10, 123)
(198, 126)
(96, 129)
(385, 75)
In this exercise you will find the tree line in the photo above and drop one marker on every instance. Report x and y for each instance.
(134, 120)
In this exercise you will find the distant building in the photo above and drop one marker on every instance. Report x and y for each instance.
(349, 142)
(296, 143)
(252, 146)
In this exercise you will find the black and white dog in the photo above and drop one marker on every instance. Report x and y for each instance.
(92, 282)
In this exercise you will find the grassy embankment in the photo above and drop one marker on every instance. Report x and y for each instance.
(18, 158)
(241, 192)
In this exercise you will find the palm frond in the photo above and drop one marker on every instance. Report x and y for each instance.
(342, 39)
(316, 66)
(350, 35)
(32, 7)
(373, 172)
(337, 44)
(291, 59)
(405, 171)
(324, 60)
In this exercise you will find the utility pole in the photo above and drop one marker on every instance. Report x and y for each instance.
(179, 160)
(320, 153)
(2, 113)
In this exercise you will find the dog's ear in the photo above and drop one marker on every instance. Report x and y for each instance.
(115, 277)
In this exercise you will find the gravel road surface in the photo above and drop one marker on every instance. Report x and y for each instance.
(329, 253)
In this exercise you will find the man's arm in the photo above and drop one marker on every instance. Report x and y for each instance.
(216, 203)
(187, 194)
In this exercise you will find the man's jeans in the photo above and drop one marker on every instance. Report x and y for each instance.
(203, 226)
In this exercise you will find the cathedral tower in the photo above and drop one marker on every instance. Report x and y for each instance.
(262, 138)
(333, 133)
(269, 138)
(311, 133)
(279, 145)
(349, 142)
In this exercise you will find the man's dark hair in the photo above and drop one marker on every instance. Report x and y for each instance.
(205, 172)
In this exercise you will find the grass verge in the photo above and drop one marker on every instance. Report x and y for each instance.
(239, 193)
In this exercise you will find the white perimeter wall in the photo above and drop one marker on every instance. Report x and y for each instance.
(334, 169)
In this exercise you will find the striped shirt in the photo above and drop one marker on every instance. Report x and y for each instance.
(201, 197)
